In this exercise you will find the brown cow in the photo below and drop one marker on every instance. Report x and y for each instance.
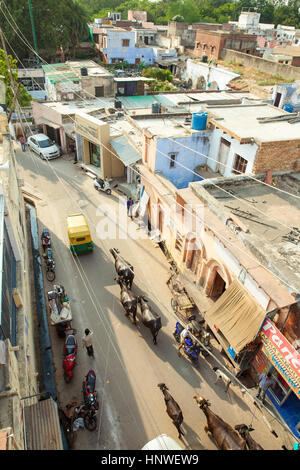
(173, 409)
(244, 432)
(128, 299)
(225, 436)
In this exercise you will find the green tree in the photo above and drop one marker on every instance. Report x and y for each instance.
(23, 97)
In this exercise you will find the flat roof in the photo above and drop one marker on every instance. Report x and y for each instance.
(72, 107)
(272, 217)
(243, 122)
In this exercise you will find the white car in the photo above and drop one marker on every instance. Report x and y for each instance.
(43, 146)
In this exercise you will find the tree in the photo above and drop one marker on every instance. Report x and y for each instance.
(23, 97)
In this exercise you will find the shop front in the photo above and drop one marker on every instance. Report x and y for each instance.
(279, 354)
(93, 151)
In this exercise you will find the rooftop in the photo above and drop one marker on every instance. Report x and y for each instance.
(243, 121)
(87, 106)
(272, 218)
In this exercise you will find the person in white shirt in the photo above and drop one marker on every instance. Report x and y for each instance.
(184, 334)
(87, 341)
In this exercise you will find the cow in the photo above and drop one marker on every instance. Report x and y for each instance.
(150, 318)
(173, 409)
(244, 432)
(123, 268)
(128, 299)
(224, 435)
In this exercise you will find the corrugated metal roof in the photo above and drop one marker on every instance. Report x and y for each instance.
(42, 426)
(126, 152)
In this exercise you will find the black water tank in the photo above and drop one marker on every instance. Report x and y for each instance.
(204, 58)
(118, 104)
(156, 108)
(84, 71)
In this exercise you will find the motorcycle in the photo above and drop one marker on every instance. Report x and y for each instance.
(50, 264)
(91, 404)
(46, 239)
(191, 350)
(197, 329)
(102, 185)
(70, 350)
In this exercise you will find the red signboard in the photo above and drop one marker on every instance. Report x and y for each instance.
(282, 355)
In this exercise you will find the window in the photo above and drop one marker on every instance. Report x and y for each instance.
(125, 42)
(99, 91)
(172, 160)
(240, 164)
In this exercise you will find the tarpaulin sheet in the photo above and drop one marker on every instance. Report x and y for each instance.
(237, 315)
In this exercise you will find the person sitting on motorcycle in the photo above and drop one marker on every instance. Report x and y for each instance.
(183, 336)
(100, 181)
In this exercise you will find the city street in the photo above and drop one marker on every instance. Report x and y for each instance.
(127, 363)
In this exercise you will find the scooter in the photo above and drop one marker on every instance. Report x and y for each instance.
(91, 404)
(70, 351)
(191, 350)
(50, 264)
(46, 239)
(102, 185)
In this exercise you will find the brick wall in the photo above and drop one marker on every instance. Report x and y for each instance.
(277, 156)
(216, 41)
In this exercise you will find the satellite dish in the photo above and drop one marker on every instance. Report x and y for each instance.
(5, 166)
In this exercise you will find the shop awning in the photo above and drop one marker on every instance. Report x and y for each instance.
(46, 121)
(42, 427)
(126, 152)
(237, 315)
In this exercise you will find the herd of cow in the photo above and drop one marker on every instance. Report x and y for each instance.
(226, 437)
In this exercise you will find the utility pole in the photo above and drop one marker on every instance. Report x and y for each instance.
(33, 32)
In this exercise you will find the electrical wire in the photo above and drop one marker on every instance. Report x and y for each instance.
(193, 215)
(137, 172)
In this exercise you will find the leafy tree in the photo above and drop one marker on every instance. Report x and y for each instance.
(23, 97)
(159, 74)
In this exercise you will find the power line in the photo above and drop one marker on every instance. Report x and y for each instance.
(80, 208)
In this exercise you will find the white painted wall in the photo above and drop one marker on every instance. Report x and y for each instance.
(194, 70)
(247, 151)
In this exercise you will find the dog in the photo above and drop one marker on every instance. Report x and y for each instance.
(222, 376)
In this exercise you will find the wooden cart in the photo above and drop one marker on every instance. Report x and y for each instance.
(182, 304)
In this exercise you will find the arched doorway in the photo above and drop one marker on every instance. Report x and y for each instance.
(216, 281)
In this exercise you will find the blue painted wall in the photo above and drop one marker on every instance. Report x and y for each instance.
(115, 50)
(178, 175)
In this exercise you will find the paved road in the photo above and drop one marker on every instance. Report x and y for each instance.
(127, 364)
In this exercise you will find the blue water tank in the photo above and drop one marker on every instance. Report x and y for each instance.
(288, 107)
(199, 121)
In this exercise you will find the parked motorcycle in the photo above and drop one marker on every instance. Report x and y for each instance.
(191, 350)
(102, 185)
(46, 238)
(91, 404)
(50, 264)
(70, 351)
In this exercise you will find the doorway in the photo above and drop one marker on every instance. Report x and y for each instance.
(223, 155)
(277, 99)
(218, 286)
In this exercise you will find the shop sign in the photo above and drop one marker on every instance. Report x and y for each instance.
(282, 355)
(87, 130)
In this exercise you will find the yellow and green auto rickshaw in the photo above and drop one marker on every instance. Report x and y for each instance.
(79, 234)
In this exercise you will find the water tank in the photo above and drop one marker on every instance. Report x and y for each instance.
(288, 107)
(118, 104)
(199, 121)
(84, 71)
(156, 108)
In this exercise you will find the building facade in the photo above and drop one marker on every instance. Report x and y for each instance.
(212, 43)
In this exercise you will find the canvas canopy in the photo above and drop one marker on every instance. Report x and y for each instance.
(237, 315)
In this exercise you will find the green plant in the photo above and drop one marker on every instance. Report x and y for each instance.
(239, 72)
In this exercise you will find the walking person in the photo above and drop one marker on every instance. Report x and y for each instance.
(265, 382)
(87, 342)
(22, 142)
(129, 207)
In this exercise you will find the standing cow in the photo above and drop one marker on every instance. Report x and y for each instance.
(225, 436)
(128, 299)
(150, 318)
(244, 432)
(173, 409)
(123, 268)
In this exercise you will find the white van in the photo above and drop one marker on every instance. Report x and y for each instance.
(43, 146)
(162, 442)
